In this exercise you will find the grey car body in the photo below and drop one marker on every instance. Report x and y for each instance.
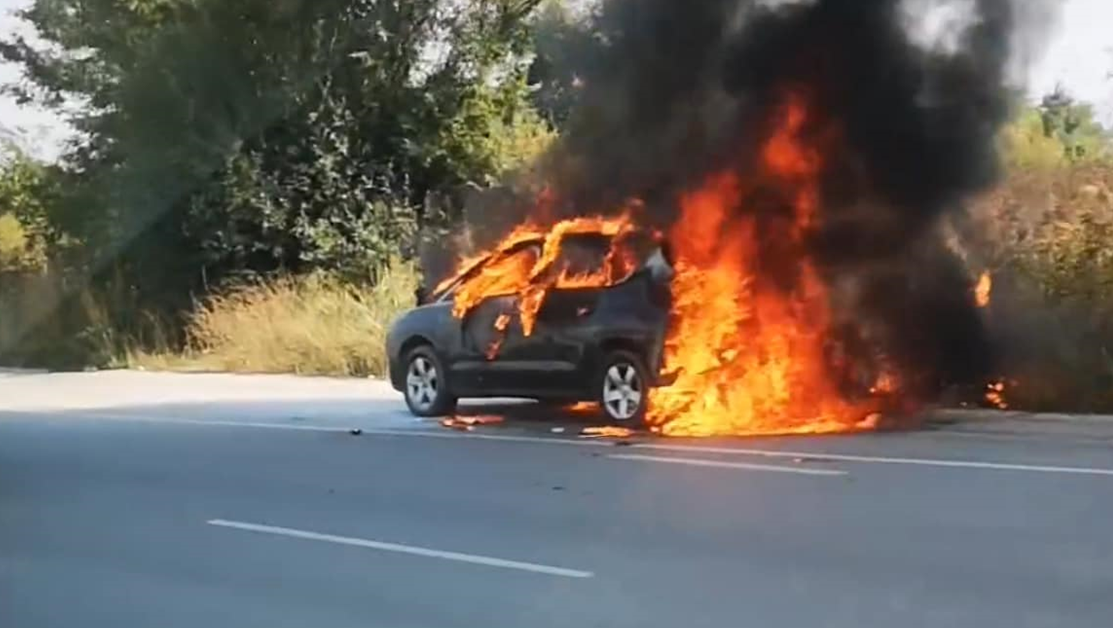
(576, 329)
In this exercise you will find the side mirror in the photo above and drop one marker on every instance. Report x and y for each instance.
(421, 295)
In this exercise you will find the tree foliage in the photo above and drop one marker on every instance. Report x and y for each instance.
(227, 136)
(24, 229)
(1074, 126)
(564, 44)
(1057, 132)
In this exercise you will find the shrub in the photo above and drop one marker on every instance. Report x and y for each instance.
(1046, 233)
(314, 325)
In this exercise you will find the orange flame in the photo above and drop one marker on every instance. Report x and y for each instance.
(995, 395)
(469, 423)
(606, 431)
(750, 356)
(509, 269)
(983, 290)
(501, 323)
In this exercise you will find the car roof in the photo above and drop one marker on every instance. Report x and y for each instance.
(525, 242)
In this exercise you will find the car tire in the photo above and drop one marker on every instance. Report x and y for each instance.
(623, 389)
(426, 385)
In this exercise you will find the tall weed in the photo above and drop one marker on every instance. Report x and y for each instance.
(313, 325)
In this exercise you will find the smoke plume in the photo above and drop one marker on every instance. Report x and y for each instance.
(905, 99)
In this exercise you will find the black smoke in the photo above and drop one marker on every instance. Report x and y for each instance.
(677, 89)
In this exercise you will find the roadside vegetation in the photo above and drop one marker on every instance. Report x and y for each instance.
(314, 324)
(244, 168)
(1046, 234)
(254, 183)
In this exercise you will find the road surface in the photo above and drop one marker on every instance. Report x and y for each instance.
(225, 511)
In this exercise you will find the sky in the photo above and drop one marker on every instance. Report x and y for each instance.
(1078, 56)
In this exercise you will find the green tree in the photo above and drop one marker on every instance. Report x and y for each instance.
(223, 136)
(564, 42)
(1074, 125)
(24, 229)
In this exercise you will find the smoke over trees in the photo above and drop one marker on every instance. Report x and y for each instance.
(906, 122)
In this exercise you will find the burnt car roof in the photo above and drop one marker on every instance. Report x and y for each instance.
(525, 242)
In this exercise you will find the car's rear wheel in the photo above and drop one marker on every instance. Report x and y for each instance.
(427, 393)
(623, 389)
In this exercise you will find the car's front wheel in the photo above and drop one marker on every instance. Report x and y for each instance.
(426, 392)
(623, 392)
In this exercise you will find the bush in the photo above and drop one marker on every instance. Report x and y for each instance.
(1046, 235)
(312, 325)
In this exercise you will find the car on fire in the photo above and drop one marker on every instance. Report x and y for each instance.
(597, 343)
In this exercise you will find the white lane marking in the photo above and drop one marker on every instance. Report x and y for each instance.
(701, 462)
(404, 549)
(733, 451)
(217, 423)
(922, 462)
(495, 437)
(765, 453)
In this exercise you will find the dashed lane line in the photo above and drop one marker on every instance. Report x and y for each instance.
(413, 550)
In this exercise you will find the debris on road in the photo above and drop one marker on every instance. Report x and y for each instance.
(355, 431)
(606, 431)
(453, 423)
(468, 423)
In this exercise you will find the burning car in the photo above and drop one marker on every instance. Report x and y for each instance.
(802, 173)
(576, 312)
(735, 309)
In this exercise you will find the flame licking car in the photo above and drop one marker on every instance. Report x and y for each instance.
(595, 308)
(577, 312)
(758, 331)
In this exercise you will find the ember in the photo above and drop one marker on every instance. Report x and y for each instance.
(983, 290)
(995, 395)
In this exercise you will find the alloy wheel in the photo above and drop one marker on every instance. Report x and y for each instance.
(622, 391)
(421, 383)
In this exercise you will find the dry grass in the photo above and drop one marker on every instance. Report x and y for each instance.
(313, 325)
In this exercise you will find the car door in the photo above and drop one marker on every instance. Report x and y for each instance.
(491, 357)
(565, 325)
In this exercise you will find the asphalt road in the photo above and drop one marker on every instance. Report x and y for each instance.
(138, 520)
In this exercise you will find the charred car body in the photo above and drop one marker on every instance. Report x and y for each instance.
(585, 343)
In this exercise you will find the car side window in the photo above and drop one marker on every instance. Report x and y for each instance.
(501, 275)
(582, 255)
(508, 274)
